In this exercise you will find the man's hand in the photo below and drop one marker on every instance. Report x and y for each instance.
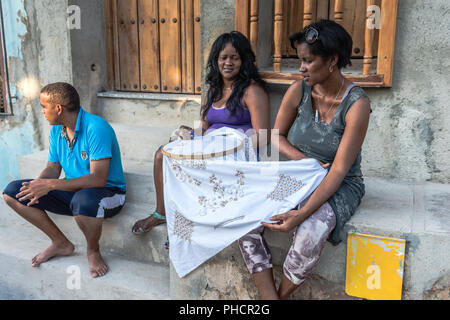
(34, 190)
(286, 221)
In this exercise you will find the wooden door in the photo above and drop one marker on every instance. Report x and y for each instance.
(154, 45)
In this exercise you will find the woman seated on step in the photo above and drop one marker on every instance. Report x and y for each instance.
(324, 116)
(236, 98)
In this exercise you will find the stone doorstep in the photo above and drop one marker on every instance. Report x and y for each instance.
(149, 109)
(141, 142)
(126, 279)
(117, 238)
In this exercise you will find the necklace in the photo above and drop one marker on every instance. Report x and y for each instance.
(316, 118)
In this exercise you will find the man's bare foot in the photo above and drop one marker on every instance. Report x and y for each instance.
(97, 267)
(145, 225)
(54, 250)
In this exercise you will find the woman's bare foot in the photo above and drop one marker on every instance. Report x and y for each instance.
(97, 266)
(145, 225)
(65, 249)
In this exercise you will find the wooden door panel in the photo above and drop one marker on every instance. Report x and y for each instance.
(295, 23)
(295, 17)
(198, 66)
(128, 45)
(187, 46)
(355, 22)
(154, 45)
(170, 45)
(149, 45)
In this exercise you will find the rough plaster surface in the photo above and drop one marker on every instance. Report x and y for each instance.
(38, 34)
(88, 47)
(408, 136)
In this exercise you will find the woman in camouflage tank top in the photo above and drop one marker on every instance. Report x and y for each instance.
(324, 116)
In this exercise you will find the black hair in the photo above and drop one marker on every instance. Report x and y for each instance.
(333, 40)
(247, 73)
(64, 94)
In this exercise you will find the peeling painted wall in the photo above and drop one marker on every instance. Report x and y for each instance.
(38, 52)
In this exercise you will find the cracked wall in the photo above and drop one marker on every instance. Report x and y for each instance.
(38, 52)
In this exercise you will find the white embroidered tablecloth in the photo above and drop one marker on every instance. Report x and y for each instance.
(212, 202)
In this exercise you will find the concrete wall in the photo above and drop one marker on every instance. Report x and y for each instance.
(38, 52)
(89, 53)
(408, 136)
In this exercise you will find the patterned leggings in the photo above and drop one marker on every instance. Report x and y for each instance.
(307, 244)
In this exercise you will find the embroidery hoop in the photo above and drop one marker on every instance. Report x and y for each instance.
(203, 156)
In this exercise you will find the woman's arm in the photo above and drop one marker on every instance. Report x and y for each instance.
(285, 118)
(357, 120)
(257, 102)
(197, 130)
(205, 126)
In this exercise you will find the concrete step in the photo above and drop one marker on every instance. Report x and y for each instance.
(416, 212)
(117, 238)
(126, 279)
(148, 109)
(138, 174)
(141, 142)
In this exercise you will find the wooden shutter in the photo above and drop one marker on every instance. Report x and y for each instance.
(372, 47)
(197, 48)
(170, 45)
(128, 45)
(149, 46)
(2, 99)
(187, 46)
(354, 21)
(154, 45)
(4, 108)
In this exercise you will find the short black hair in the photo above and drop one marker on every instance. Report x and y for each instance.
(333, 40)
(64, 94)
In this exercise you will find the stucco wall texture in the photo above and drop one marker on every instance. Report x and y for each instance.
(408, 137)
(38, 52)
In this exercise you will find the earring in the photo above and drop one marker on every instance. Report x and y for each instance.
(330, 69)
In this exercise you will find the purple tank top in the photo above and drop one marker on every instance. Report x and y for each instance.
(218, 118)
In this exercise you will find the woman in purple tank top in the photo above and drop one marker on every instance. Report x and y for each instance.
(236, 98)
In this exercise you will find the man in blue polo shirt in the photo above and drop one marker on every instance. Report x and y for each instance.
(85, 147)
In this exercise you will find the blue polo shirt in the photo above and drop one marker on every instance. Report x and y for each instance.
(94, 139)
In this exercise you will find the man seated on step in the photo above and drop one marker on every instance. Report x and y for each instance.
(85, 147)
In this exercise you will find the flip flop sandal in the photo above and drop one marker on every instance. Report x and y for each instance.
(140, 230)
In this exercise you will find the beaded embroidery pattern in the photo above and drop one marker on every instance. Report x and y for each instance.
(182, 227)
(285, 187)
(222, 194)
(182, 175)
